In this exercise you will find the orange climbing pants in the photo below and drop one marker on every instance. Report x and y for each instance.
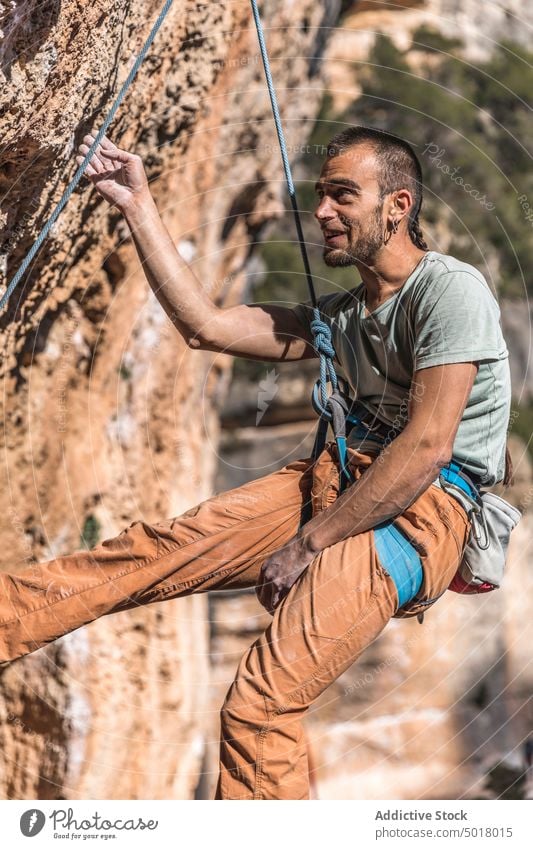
(338, 605)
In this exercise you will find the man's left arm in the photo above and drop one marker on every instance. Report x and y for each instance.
(403, 470)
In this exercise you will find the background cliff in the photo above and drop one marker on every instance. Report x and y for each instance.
(106, 416)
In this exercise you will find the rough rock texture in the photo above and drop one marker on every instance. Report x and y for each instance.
(107, 417)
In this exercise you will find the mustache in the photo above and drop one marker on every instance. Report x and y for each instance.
(341, 221)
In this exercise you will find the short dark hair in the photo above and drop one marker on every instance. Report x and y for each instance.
(399, 167)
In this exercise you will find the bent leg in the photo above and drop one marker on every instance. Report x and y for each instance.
(337, 607)
(218, 544)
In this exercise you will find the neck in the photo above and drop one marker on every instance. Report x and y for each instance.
(392, 266)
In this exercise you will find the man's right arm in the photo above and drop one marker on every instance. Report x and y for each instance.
(256, 331)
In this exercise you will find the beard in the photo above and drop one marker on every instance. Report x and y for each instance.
(363, 248)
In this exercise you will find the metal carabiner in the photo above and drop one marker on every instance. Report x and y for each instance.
(480, 514)
(317, 403)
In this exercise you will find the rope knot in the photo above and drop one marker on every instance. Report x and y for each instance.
(322, 338)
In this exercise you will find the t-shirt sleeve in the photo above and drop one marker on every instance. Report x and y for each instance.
(304, 312)
(457, 319)
(327, 304)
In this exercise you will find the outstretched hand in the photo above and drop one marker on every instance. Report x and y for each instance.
(280, 571)
(116, 174)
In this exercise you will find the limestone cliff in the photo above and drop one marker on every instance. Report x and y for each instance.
(107, 417)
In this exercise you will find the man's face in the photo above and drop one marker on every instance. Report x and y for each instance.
(349, 211)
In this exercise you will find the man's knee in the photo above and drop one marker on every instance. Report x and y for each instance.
(246, 706)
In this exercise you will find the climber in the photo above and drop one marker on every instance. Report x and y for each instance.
(420, 342)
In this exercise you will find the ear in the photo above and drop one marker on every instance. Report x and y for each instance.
(399, 204)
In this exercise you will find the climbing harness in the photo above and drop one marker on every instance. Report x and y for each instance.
(81, 169)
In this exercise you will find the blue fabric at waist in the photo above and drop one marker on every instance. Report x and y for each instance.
(400, 559)
(451, 473)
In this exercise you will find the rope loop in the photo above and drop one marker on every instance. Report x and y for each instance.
(323, 345)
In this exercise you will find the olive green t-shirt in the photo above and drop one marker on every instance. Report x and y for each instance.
(444, 313)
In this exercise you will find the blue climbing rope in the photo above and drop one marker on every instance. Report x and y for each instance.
(283, 148)
(332, 405)
(81, 169)
(321, 331)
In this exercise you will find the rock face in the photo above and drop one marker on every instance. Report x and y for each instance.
(107, 416)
